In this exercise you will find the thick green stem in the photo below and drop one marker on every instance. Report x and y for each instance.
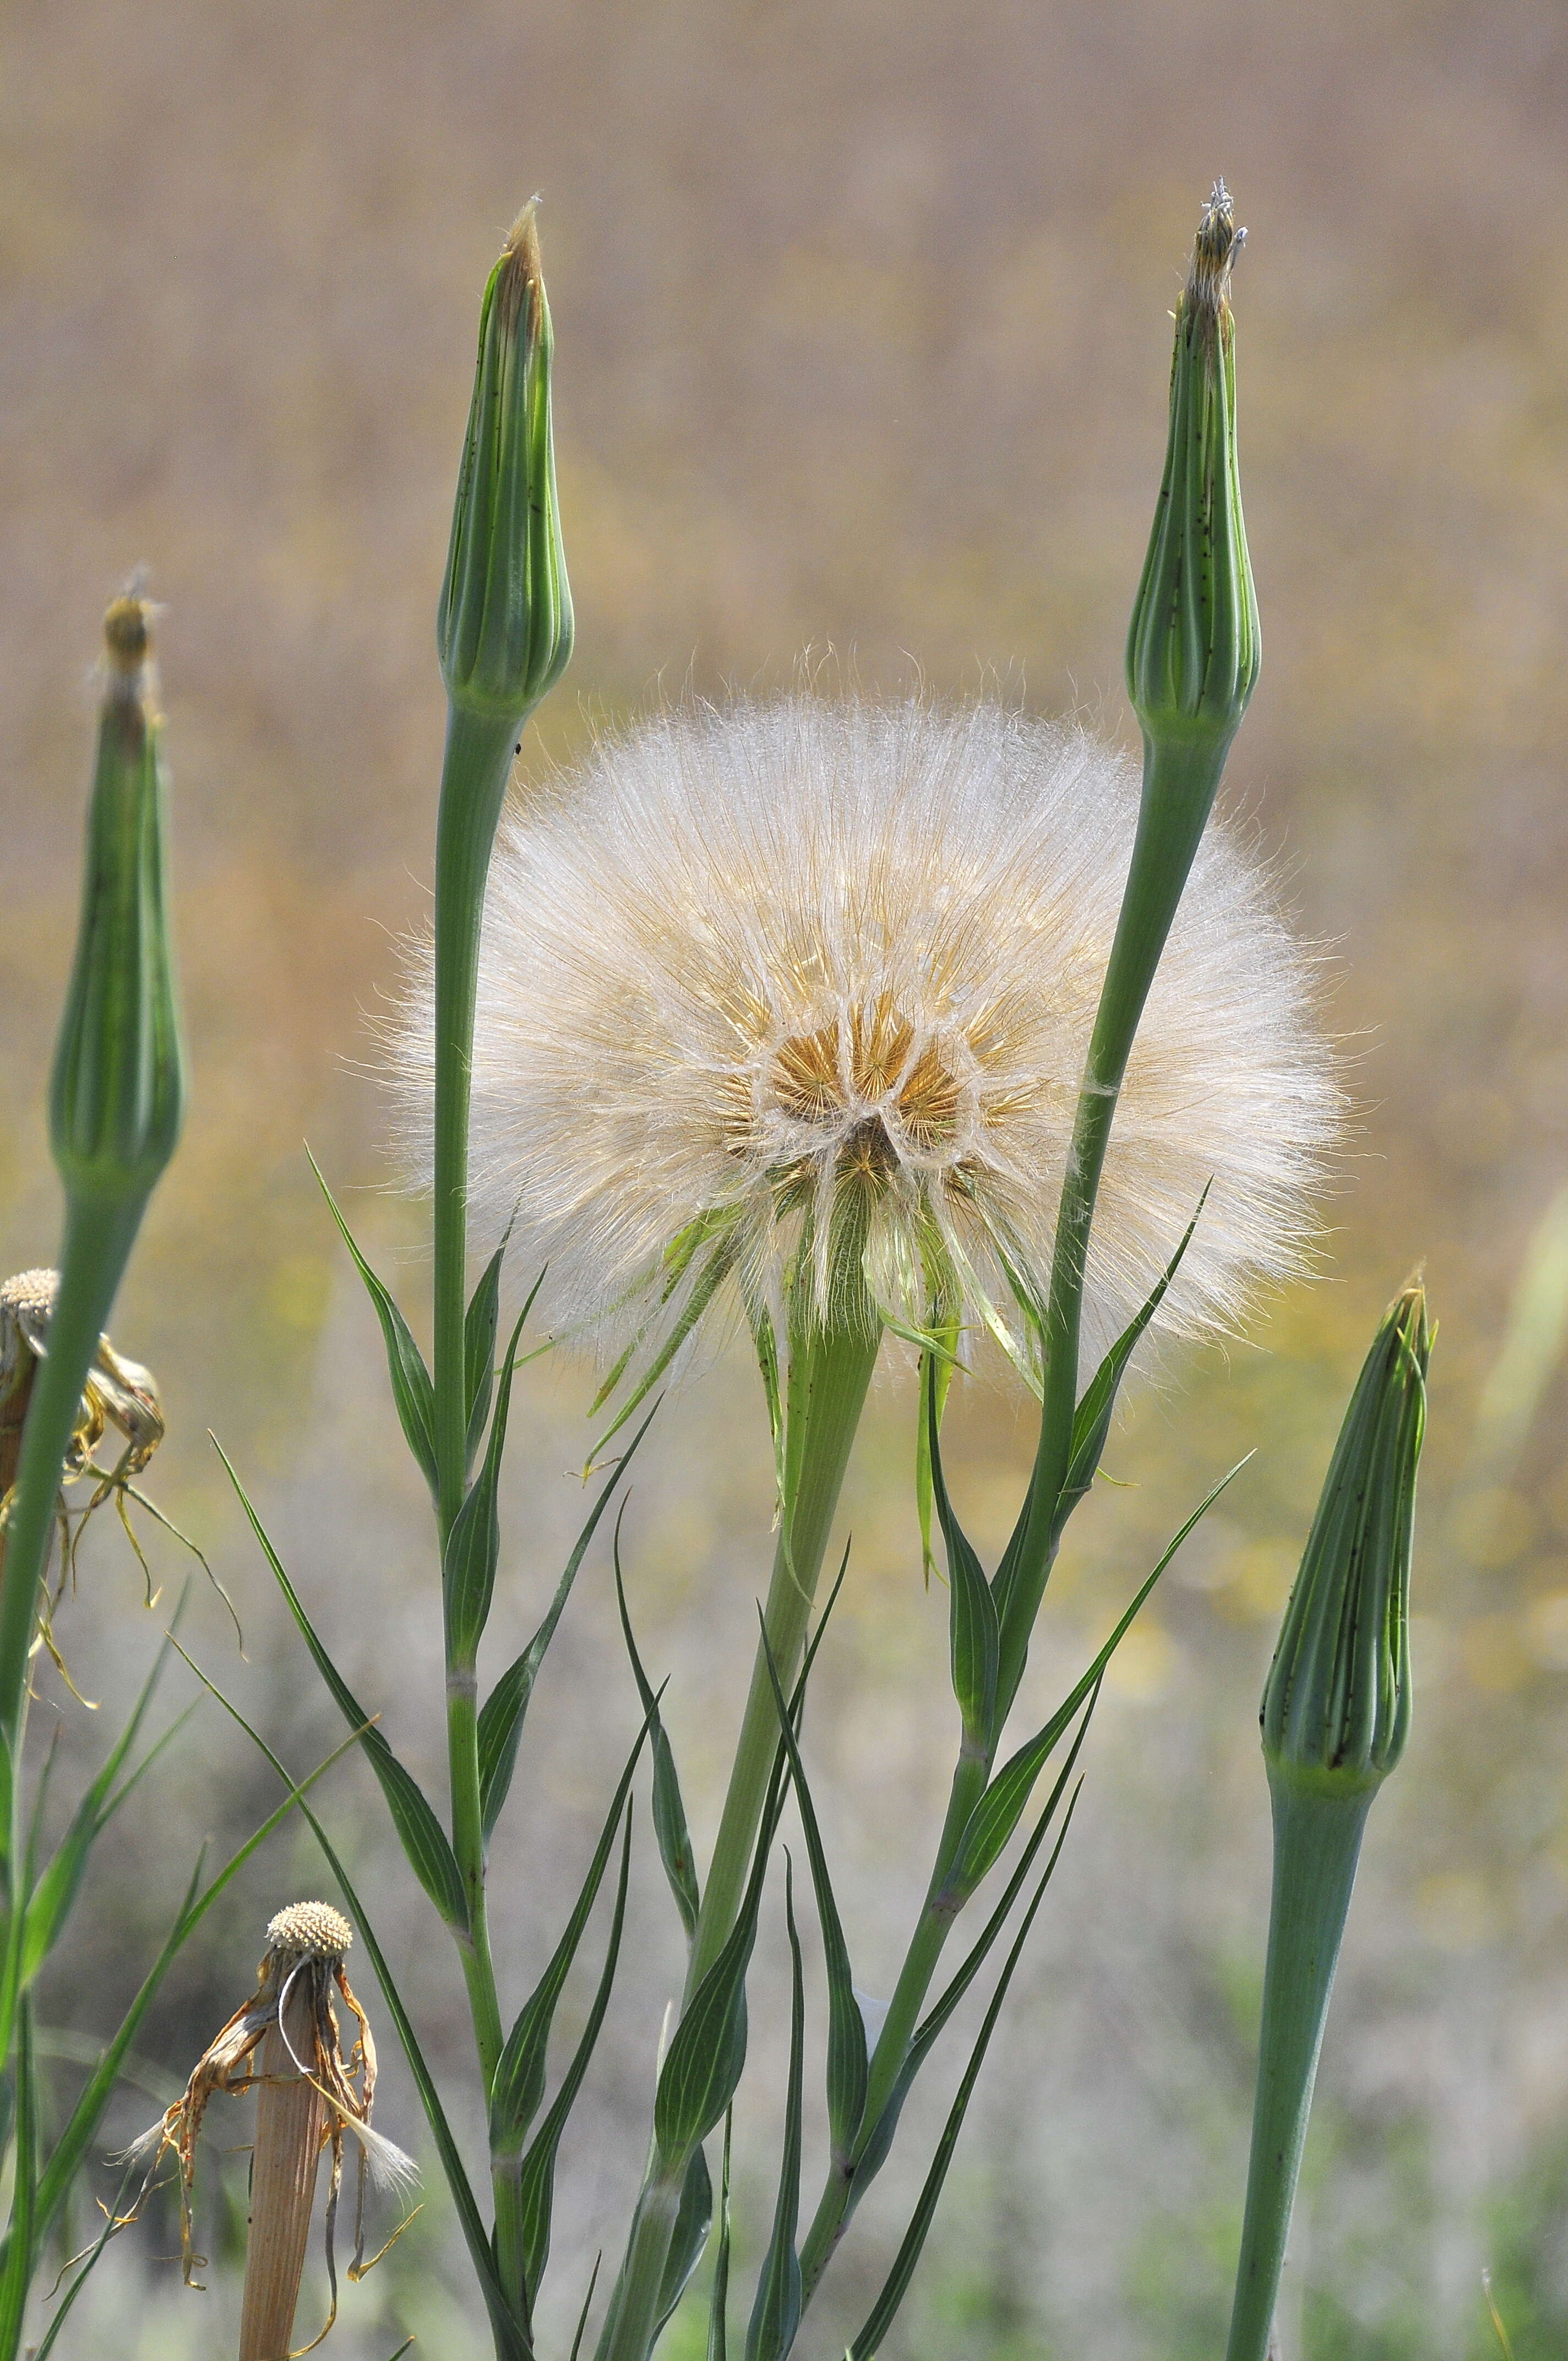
(830, 1372)
(1317, 1839)
(1181, 777)
(474, 778)
(629, 2326)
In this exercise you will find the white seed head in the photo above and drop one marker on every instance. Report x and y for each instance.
(750, 968)
(310, 1930)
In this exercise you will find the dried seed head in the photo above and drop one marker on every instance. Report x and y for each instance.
(310, 1930)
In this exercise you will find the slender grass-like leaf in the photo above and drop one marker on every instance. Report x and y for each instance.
(514, 2342)
(775, 2311)
(112, 2221)
(22, 2235)
(694, 2219)
(587, 2307)
(519, 2084)
(936, 1372)
(480, 1326)
(669, 1811)
(879, 2138)
(473, 1549)
(719, 2294)
(847, 2061)
(421, 1834)
(502, 1715)
(897, 2285)
(412, 1393)
(998, 1812)
(538, 2176)
(1091, 1420)
(50, 1899)
(975, 1635)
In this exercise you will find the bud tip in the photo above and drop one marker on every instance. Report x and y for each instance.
(522, 280)
(1214, 251)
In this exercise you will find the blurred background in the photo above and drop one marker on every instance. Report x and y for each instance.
(863, 330)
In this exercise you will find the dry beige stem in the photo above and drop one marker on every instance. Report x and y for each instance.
(290, 2126)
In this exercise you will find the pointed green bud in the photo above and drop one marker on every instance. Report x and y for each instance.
(1336, 1708)
(118, 1089)
(1192, 644)
(504, 625)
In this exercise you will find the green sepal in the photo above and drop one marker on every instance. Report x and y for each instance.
(474, 1545)
(502, 1715)
(703, 1287)
(846, 2058)
(537, 2181)
(413, 1396)
(519, 2084)
(998, 1810)
(776, 2308)
(675, 1849)
(937, 1371)
(421, 1834)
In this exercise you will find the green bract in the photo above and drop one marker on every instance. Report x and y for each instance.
(118, 1090)
(504, 625)
(1192, 642)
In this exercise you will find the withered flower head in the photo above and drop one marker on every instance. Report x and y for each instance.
(286, 2044)
(118, 1393)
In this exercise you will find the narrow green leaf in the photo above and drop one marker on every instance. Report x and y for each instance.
(694, 2219)
(936, 1369)
(22, 2234)
(480, 1326)
(588, 2306)
(719, 2296)
(999, 1810)
(421, 1834)
(502, 1715)
(897, 2285)
(847, 2061)
(669, 1812)
(879, 2138)
(50, 1901)
(474, 1545)
(538, 2177)
(519, 2083)
(113, 2216)
(512, 2342)
(974, 1638)
(412, 1393)
(1091, 1421)
(775, 2311)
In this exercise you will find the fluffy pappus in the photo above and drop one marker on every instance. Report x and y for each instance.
(762, 979)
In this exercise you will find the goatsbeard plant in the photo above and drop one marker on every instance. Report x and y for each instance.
(864, 1019)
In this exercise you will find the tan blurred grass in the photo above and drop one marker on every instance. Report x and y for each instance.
(861, 314)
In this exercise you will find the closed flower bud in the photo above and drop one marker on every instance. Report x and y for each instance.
(118, 1089)
(1192, 644)
(504, 626)
(1336, 1707)
(1335, 1714)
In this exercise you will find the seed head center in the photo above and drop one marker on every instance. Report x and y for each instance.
(869, 1070)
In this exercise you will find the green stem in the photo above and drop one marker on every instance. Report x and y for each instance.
(473, 785)
(1180, 776)
(474, 778)
(830, 1372)
(1317, 1839)
(628, 2325)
